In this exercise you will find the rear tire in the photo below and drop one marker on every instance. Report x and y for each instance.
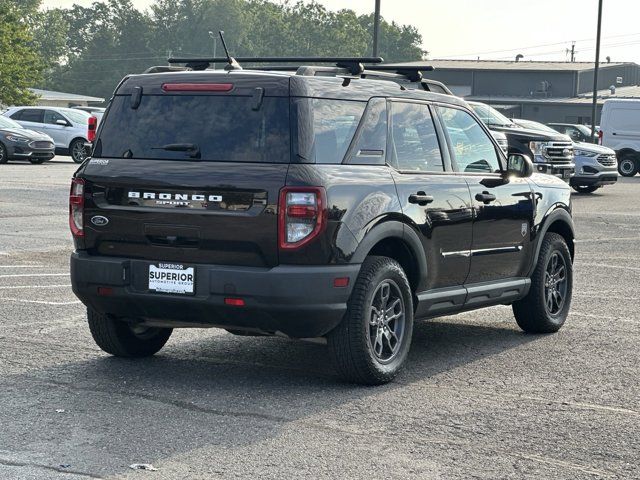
(371, 344)
(78, 151)
(546, 306)
(628, 165)
(4, 156)
(122, 339)
(585, 188)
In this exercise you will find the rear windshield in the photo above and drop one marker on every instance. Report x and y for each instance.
(211, 128)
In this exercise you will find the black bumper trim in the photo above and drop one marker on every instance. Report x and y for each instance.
(297, 300)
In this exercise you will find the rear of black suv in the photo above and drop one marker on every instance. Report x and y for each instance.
(183, 214)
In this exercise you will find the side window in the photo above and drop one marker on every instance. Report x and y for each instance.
(17, 115)
(51, 116)
(334, 124)
(370, 143)
(31, 115)
(473, 149)
(415, 144)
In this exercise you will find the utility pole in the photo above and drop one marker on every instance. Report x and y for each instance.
(376, 28)
(573, 52)
(594, 106)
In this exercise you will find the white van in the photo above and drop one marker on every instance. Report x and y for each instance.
(620, 130)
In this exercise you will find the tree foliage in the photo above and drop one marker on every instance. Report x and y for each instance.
(89, 49)
(21, 65)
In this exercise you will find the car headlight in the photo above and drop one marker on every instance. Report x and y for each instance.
(583, 153)
(14, 138)
(537, 148)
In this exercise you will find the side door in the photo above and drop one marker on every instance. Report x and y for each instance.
(503, 205)
(30, 118)
(436, 201)
(55, 130)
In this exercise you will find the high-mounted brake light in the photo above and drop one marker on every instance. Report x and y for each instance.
(93, 125)
(76, 207)
(197, 87)
(302, 215)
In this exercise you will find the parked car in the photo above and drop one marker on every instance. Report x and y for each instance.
(577, 132)
(551, 152)
(97, 112)
(68, 127)
(620, 130)
(18, 143)
(596, 165)
(285, 203)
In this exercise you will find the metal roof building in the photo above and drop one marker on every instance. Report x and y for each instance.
(542, 91)
(50, 98)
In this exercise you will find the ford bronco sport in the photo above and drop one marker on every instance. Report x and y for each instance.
(341, 202)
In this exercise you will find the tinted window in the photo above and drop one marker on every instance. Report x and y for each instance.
(371, 140)
(224, 128)
(472, 147)
(334, 124)
(51, 116)
(77, 116)
(29, 115)
(415, 143)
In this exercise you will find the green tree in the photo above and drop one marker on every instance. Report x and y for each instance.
(20, 64)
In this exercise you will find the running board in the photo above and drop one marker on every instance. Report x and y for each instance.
(444, 301)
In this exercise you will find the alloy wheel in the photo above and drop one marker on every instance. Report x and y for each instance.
(386, 321)
(555, 284)
(78, 152)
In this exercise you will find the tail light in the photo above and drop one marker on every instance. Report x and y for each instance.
(76, 207)
(93, 124)
(600, 137)
(302, 215)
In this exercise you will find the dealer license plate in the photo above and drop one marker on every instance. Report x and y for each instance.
(171, 278)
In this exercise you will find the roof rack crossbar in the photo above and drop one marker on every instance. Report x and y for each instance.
(281, 60)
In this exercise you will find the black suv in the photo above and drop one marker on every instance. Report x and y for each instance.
(325, 202)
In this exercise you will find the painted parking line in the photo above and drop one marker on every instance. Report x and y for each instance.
(35, 275)
(15, 287)
(42, 302)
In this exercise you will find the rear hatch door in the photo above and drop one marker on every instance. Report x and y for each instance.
(187, 168)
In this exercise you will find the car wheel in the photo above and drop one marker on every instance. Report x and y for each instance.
(78, 151)
(4, 156)
(123, 339)
(585, 188)
(371, 344)
(546, 306)
(627, 166)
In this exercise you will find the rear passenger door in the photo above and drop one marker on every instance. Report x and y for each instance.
(502, 205)
(55, 131)
(30, 118)
(436, 201)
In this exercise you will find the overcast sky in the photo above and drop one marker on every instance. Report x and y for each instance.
(500, 29)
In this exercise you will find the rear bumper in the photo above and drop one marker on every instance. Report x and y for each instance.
(299, 301)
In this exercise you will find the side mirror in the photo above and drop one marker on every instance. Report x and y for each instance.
(519, 165)
(64, 123)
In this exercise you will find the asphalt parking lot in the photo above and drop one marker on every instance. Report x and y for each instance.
(479, 399)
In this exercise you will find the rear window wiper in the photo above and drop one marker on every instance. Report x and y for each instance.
(192, 148)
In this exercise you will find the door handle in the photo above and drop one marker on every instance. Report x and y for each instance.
(420, 198)
(485, 197)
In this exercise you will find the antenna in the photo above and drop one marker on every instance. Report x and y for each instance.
(232, 65)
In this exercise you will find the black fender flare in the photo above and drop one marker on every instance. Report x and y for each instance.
(559, 214)
(394, 229)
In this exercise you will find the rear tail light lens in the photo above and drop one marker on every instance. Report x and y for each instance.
(93, 125)
(76, 207)
(302, 215)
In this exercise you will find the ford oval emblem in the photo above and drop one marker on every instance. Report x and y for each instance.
(99, 220)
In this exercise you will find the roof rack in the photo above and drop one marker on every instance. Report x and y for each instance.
(359, 67)
(354, 64)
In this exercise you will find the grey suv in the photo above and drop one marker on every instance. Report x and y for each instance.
(68, 127)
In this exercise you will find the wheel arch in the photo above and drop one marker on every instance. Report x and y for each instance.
(558, 221)
(627, 150)
(82, 139)
(395, 240)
